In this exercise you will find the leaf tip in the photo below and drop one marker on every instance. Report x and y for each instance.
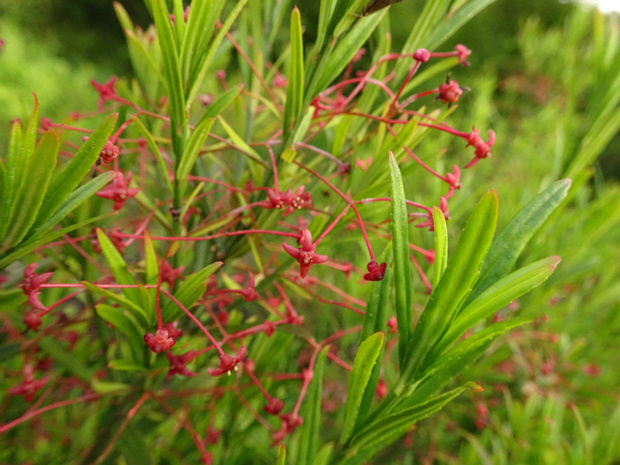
(474, 387)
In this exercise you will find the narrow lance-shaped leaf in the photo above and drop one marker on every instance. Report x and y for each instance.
(9, 187)
(150, 141)
(75, 199)
(172, 67)
(82, 162)
(135, 309)
(33, 187)
(189, 292)
(364, 362)
(386, 430)
(511, 241)
(196, 36)
(116, 317)
(295, 90)
(441, 244)
(192, 150)
(454, 287)
(497, 296)
(199, 73)
(118, 266)
(28, 246)
(309, 440)
(402, 276)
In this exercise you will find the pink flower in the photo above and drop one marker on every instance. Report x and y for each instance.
(108, 154)
(28, 387)
(32, 319)
(422, 55)
(306, 255)
(227, 363)
(118, 190)
(31, 284)
(106, 91)
(462, 53)
(160, 341)
(375, 271)
(274, 406)
(449, 91)
(169, 275)
(178, 364)
(483, 149)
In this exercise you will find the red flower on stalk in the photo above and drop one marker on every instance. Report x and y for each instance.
(106, 91)
(29, 386)
(375, 271)
(31, 284)
(274, 406)
(108, 153)
(227, 363)
(249, 293)
(169, 275)
(178, 364)
(483, 149)
(462, 53)
(306, 255)
(160, 341)
(118, 190)
(449, 91)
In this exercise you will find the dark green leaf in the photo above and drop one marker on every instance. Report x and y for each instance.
(512, 240)
(309, 440)
(82, 162)
(365, 360)
(295, 89)
(402, 276)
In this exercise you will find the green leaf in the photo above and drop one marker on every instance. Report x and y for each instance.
(450, 364)
(497, 296)
(454, 287)
(196, 38)
(8, 190)
(33, 186)
(124, 323)
(199, 73)
(281, 455)
(118, 266)
(512, 240)
(222, 101)
(75, 199)
(109, 387)
(150, 259)
(454, 21)
(28, 246)
(365, 360)
(295, 90)
(325, 13)
(150, 141)
(65, 359)
(386, 430)
(135, 309)
(189, 292)
(124, 365)
(172, 67)
(340, 57)
(80, 165)
(402, 276)
(309, 440)
(192, 150)
(441, 244)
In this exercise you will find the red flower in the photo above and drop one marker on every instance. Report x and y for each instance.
(483, 149)
(449, 91)
(118, 190)
(106, 91)
(173, 331)
(227, 363)
(249, 293)
(178, 362)
(170, 275)
(274, 406)
(462, 53)
(33, 319)
(108, 154)
(160, 341)
(28, 387)
(306, 255)
(375, 271)
(31, 284)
